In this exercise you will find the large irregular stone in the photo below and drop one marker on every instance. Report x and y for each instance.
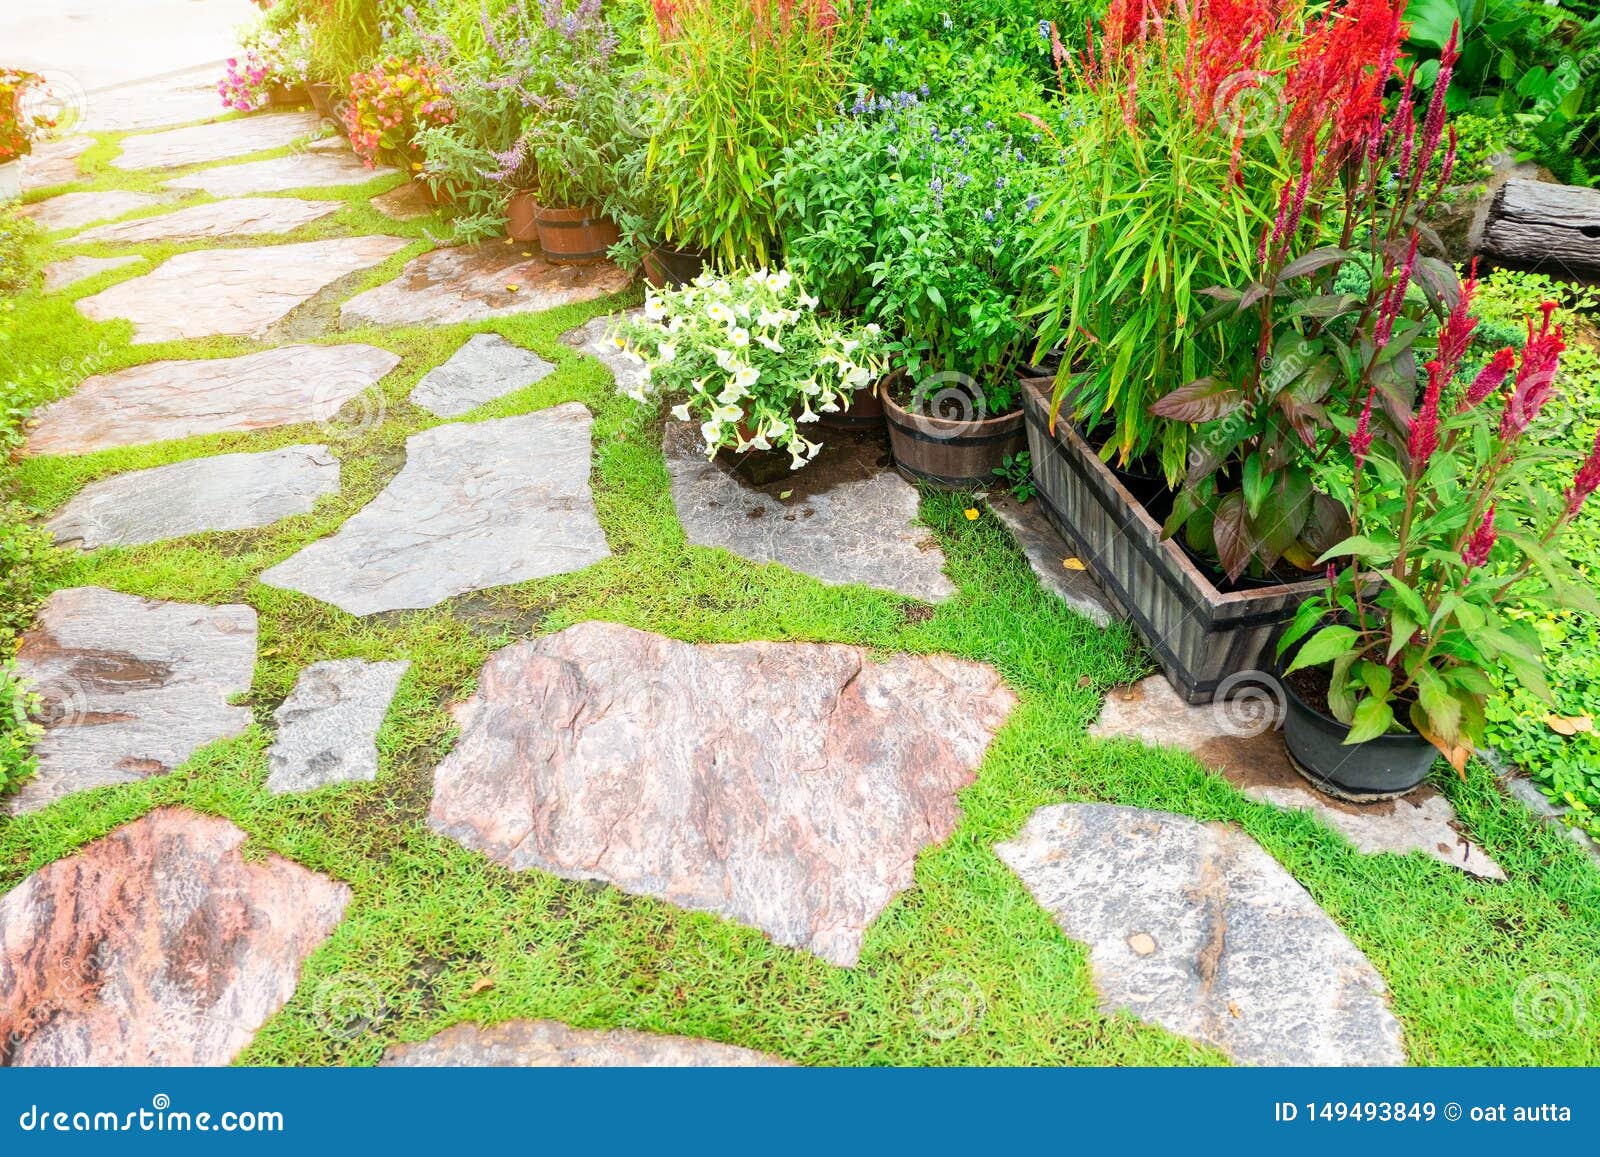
(473, 283)
(159, 944)
(594, 338)
(160, 401)
(403, 203)
(131, 687)
(477, 505)
(228, 492)
(153, 104)
(486, 367)
(1238, 739)
(547, 1044)
(1049, 556)
(846, 518)
(787, 786)
(233, 292)
(75, 210)
(67, 272)
(204, 144)
(248, 216)
(54, 163)
(1195, 928)
(313, 170)
(328, 726)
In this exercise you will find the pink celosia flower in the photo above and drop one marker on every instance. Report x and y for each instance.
(1424, 439)
(1535, 381)
(1490, 378)
(1476, 552)
(1586, 481)
(1361, 440)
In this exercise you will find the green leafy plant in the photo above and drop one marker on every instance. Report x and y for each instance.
(1016, 475)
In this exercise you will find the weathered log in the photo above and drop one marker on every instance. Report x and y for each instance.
(1542, 224)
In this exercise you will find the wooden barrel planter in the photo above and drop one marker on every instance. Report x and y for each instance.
(574, 236)
(1199, 634)
(949, 453)
(1534, 223)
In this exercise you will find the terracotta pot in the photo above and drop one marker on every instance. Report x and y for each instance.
(280, 95)
(575, 236)
(950, 450)
(522, 217)
(667, 268)
(321, 96)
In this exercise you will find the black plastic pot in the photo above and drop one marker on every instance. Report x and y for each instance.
(667, 268)
(1381, 768)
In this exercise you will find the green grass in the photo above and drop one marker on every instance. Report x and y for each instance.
(430, 922)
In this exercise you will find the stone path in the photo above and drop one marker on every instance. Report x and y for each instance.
(228, 492)
(402, 203)
(1194, 927)
(66, 273)
(313, 170)
(204, 144)
(328, 726)
(131, 687)
(476, 506)
(75, 210)
(787, 786)
(234, 292)
(168, 100)
(246, 217)
(551, 1044)
(159, 944)
(161, 401)
(54, 163)
(1239, 741)
(1049, 556)
(486, 367)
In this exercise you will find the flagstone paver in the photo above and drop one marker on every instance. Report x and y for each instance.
(551, 1044)
(328, 726)
(311, 170)
(159, 944)
(67, 272)
(160, 401)
(54, 163)
(1194, 927)
(473, 283)
(131, 687)
(235, 292)
(477, 505)
(204, 144)
(486, 367)
(593, 338)
(1053, 560)
(227, 492)
(75, 210)
(787, 786)
(245, 217)
(846, 518)
(403, 203)
(1238, 739)
(158, 103)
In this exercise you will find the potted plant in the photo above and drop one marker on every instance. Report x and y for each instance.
(751, 360)
(1389, 666)
(20, 125)
(273, 67)
(904, 214)
(390, 103)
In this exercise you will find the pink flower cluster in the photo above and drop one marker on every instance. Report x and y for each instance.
(244, 86)
(389, 104)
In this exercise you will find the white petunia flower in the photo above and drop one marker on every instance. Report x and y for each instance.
(780, 281)
(807, 302)
(667, 352)
(746, 376)
(681, 412)
(654, 308)
(767, 319)
(726, 361)
(719, 313)
(739, 336)
(772, 345)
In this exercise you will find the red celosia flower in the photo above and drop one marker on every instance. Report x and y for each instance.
(1361, 440)
(1476, 552)
(1535, 382)
(1334, 88)
(1433, 124)
(1586, 481)
(1456, 333)
(1490, 378)
(1424, 439)
(1395, 297)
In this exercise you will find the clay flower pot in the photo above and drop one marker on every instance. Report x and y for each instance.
(521, 217)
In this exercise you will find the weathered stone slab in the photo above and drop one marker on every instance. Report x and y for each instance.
(1238, 739)
(161, 401)
(486, 367)
(152, 104)
(228, 492)
(54, 163)
(594, 339)
(473, 283)
(403, 203)
(1048, 554)
(234, 292)
(159, 944)
(75, 210)
(131, 687)
(847, 518)
(328, 726)
(546, 1044)
(311, 170)
(204, 144)
(477, 505)
(248, 216)
(1195, 928)
(67, 272)
(787, 786)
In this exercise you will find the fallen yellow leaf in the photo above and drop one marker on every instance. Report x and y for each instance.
(1570, 724)
(512, 288)
(482, 985)
(1072, 563)
(972, 514)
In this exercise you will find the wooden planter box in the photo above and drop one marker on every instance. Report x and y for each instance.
(1200, 635)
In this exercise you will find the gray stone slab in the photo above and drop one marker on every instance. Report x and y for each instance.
(161, 401)
(245, 217)
(328, 726)
(786, 786)
(228, 492)
(131, 687)
(54, 163)
(233, 292)
(204, 144)
(1049, 556)
(67, 272)
(550, 1044)
(152, 104)
(594, 339)
(484, 368)
(1528, 793)
(477, 505)
(474, 283)
(1195, 928)
(75, 210)
(1238, 739)
(159, 944)
(845, 518)
(403, 203)
(309, 170)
